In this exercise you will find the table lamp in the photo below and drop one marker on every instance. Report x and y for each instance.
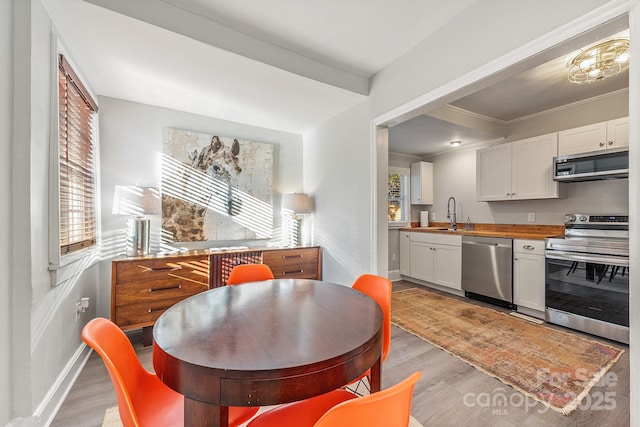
(137, 201)
(297, 204)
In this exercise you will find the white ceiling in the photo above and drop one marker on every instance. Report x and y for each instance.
(282, 64)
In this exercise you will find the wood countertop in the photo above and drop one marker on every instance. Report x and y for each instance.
(510, 231)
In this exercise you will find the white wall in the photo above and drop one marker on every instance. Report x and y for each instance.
(131, 141)
(337, 173)
(6, 218)
(595, 110)
(44, 338)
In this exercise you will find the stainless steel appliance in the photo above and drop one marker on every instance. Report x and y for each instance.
(595, 165)
(487, 264)
(587, 276)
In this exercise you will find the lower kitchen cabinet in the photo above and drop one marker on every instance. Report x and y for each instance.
(528, 274)
(405, 253)
(435, 258)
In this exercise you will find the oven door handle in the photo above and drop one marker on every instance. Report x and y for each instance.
(592, 258)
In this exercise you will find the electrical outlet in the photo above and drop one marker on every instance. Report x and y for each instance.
(433, 216)
(531, 217)
(81, 306)
(393, 257)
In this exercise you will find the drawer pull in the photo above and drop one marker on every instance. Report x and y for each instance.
(529, 247)
(284, 273)
(153, 310)
(292, 256)
(165, 288)
(165, 268)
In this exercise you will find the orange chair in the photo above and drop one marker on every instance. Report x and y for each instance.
(387, 408)
(143, 400)
(244, 273)
(378, 288)
(303, 413)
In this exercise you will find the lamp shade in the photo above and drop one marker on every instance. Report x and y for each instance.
(136, 200)
(298, 203)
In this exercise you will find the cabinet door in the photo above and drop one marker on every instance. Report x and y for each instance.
(583, 139)
(448, 266)
(618, 133)
(422, 261)
(421, 183)
(531, 168)
(528, 281)
(493, 173)
(405, 253)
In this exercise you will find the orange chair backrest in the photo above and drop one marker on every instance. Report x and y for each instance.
(386, 408)
(378, 288)
(125, 370)
(244, 273)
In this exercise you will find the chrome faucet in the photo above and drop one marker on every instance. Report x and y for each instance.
(451, 214)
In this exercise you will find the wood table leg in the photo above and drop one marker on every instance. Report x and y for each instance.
(202, 414)
(147, 335)
(376, 375)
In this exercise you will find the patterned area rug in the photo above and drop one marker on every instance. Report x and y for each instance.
(553, 367)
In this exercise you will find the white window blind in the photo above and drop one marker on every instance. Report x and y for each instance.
(77, 178)
(398, 197)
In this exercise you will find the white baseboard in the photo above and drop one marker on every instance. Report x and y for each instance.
(531, 312)
(394, 275)
(54, 399)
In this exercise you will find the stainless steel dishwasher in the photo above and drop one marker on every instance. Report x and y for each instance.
(487, 265)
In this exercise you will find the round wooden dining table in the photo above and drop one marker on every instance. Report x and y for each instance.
(265, 343)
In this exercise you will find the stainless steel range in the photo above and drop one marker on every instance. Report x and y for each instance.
(587, 276)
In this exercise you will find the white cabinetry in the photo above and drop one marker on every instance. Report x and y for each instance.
(435, 258)
(528, 275)
(519, 170)
(594, 137)
(421, 183)
(405, 253)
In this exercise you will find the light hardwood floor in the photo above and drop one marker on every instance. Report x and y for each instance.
(450, 392)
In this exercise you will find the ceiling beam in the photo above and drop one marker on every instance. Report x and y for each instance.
(197, 27)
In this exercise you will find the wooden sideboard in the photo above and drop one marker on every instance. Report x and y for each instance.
(142, 288)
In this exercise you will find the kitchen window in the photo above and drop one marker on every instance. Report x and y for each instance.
(77, 113)
(399, 210)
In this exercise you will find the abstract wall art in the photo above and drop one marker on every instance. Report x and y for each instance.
(215, 188)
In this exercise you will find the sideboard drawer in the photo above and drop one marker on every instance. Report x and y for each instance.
(297, 263)
(143, 288)
(131, 293)
(195, 269)
(139, 314)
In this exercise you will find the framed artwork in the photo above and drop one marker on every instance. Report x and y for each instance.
(215, 188)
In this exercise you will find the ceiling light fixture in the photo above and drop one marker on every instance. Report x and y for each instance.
(455, 143)
(598, 62)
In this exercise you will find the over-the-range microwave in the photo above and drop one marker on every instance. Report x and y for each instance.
(592, 166)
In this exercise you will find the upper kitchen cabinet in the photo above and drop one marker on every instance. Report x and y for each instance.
(422, 183)
(598, 136)
(519, 170)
